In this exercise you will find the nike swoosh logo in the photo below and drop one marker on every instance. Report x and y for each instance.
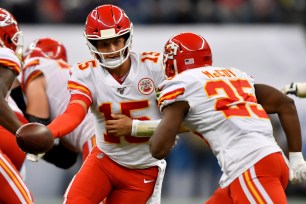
(147, 181)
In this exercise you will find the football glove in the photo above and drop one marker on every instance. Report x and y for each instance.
(34, 157)
(296, 88)
(297, 167)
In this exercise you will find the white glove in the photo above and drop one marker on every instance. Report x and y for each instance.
(296, 88)
(290, 88)
(34, 158)
(297, 167)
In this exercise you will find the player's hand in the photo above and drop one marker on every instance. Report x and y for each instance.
(34, 157)
(297, 167)
(120, 125)
(290, 88)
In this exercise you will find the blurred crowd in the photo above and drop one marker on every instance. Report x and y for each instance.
(163, 11)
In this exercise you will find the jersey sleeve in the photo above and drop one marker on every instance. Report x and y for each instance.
(153, 61)
(170, 91)
(30, 71)
(158, 71)
(10, 60)
(80, 81)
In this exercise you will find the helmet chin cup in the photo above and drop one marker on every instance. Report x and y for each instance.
(113, 63)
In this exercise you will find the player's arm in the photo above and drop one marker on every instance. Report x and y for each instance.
(295, 88)
(8, 118)
(37, 109)
(17, 95)
(273, 101)
(61, 156)
(72, 117)
(164, 136)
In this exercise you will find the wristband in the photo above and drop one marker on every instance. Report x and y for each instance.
(144, 128)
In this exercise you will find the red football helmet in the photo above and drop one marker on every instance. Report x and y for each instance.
(186, 51)
(10, 34)
(47, 48)
(105, 22)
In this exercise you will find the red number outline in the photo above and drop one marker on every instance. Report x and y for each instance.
(126, 109)
(235, 92)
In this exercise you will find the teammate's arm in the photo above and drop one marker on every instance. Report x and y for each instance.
(273, 101)
(164, 136)
(8, 118)
(37, 109)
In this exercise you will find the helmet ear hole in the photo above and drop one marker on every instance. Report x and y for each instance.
(172, 68)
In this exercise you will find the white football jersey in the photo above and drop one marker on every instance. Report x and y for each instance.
(224, 110)
(135, 97)
(9, 59)
(57, 75)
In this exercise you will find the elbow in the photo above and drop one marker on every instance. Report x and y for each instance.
(290, 104)
(157, 153)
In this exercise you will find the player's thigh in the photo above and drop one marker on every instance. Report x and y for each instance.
(9, 147)
(265, 182)
(220, 196)
(92, 183)
(88, 146)
(135, 186)
(13, 189)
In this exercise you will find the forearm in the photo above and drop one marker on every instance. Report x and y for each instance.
(8, 118)
(163, 139)
(68, 121)
(291, 125)
(164, 136)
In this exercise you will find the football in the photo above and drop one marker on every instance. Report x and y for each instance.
(34, 138)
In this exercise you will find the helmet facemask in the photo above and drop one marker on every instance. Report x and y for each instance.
(17, 40)
(111, 63)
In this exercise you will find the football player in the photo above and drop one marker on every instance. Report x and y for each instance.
(117, 80)
(13, 189)
(45, 77)
(229, 112)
